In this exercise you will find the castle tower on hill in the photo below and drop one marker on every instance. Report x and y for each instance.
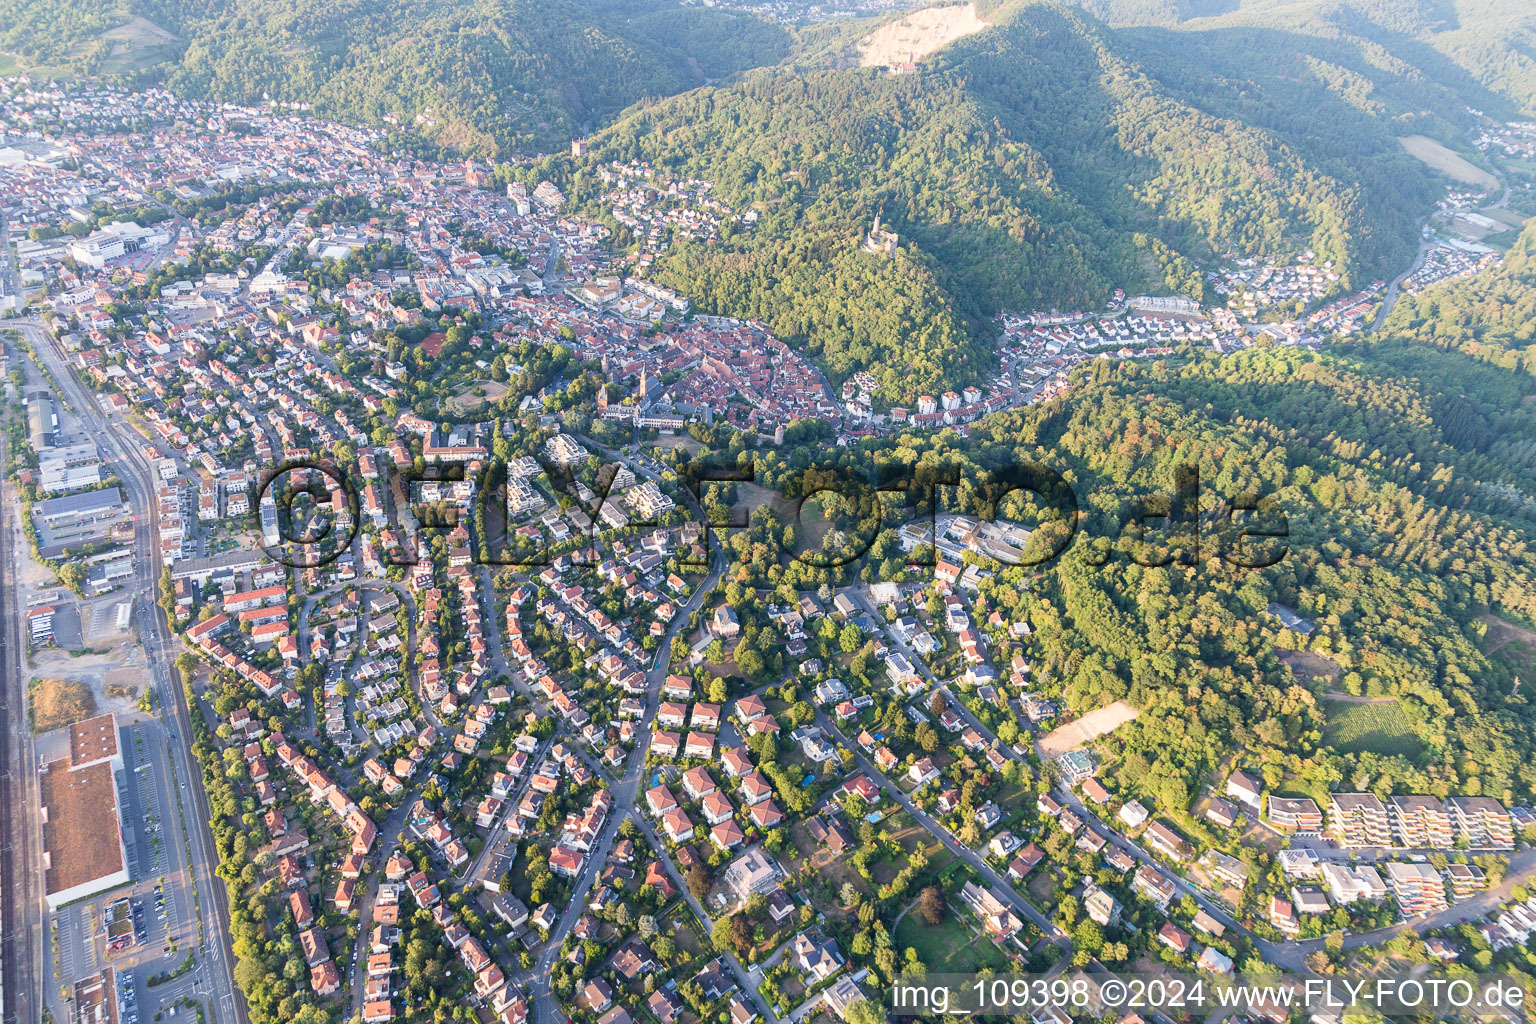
(879, 241)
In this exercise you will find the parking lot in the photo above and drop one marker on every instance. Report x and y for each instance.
(157, 902)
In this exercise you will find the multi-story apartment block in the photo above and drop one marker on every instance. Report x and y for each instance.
(1417, 887)
(1359, 819)
(1482, 821)
(1152, 884)
(649, 501)
(1347, 884)
(1422, 822)
(564, 450)
(1465, 880)
(1298, 815)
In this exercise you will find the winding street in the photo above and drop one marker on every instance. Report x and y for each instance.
(747, 979)
(1288, 955)
(1522, 870)
(1070, 799)
(625, 790)
(978, 863)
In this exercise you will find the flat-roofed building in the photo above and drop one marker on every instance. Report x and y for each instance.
(1347, 884)
(1483, 821)
(1295, 814)
(95, 998)
(1465, 880)
(93, 740)
(1359, 819)
(68, 468)
(82, 835)
(1418, 888)
(75, 520)
(564, 450)
(1422, 822)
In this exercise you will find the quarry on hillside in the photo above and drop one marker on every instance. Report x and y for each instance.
(913, 37)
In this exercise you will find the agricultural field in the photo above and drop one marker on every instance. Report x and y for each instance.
(1378, 727)
(1433, 154)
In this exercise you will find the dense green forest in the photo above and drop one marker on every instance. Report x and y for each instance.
(510, 75)
(1482, 48)
(1491, 315)
(1405, 476)
(1408, 511)
(487, 76)
(1037, 164)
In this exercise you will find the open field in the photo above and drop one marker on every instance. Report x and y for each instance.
(1467, 230)
(475, 394)
(952, 947)
(1083, 731)
(1446, 162)
(750, 496)
(1308, 665)
(918, 34)
(1377, 727)
(56, 703)
(10, 64)
(1512, 644)
(138, 44)
(1504, 215)
(1502, 632)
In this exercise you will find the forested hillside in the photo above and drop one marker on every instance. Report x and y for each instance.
(1039, 163)
(1491, 315)
(1408, 518)
(1478, 46)
(1406, 478)
(490, 77)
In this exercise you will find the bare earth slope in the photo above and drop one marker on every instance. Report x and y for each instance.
(919, 34)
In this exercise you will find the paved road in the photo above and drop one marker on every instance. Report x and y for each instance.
(977, 862)
(746, 978)
(390, 827)
(408, 601)
(10, 278)
(1522, 869)
(1069, 798)
(625, 791)
(1394, 289)
(32, 977)
(1288, 955)
(161, 647)
(497, 834)
(626, 788)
